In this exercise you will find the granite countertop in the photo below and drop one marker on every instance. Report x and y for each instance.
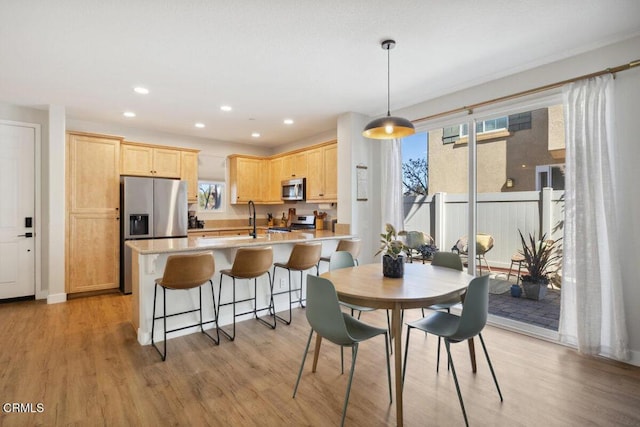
(187, 244)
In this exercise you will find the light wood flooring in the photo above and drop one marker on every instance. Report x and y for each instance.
(81, 360)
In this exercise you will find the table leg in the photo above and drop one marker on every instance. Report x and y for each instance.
(472, 355)
(316, 352)
(396, 325)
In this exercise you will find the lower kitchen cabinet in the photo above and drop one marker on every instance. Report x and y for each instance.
(93, 252)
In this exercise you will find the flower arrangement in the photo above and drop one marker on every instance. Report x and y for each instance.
(427, 250)
(390, 243)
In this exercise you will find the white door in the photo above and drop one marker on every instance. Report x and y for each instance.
(17, 205)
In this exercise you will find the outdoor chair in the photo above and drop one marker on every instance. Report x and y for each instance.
(456, 329)
(484, 243)
(413, 240)
(329, 322)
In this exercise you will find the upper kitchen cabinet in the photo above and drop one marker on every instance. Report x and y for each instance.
(246, 178)
(273, 193)
(322, 175)
(189, 173)
(92, 212)
(150, 160)
(294, 165)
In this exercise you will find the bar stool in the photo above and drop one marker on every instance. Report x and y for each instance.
(303, 257)
(348, 245)
(184, 272)
(249, 263)
(516, 258)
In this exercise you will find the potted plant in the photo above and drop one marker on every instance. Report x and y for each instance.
(540, 258)
(392, 260)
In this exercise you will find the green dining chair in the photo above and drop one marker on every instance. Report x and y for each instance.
(449, 260)
(454, 329)
(328, 321)
(344, 259)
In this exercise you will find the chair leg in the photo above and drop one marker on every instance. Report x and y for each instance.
(301, 282)
(455, 379)
(215, 339)
(163, 354)
(255, 314)
(342, 360)
(282, 319)
(231, 336)
(304, 358)
(354, 355)
(486, 353)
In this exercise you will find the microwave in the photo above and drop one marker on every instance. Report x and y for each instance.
(294, 189)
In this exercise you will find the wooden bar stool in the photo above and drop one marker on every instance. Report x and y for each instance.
(303, 257)
(184, 272)
(249, 263)
(516, 258)
(348, 245)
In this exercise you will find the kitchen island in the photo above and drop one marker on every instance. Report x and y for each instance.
(149, 258)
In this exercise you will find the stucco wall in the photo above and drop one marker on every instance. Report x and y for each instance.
(514, 156)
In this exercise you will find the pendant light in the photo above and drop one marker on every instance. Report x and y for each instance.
(388, 127)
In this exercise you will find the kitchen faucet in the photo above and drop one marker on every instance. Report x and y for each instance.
(252, 218)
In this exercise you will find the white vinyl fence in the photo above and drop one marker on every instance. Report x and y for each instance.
(444, 217)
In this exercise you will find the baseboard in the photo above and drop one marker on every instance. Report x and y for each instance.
(56, 298)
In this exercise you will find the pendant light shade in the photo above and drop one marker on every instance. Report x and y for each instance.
(388, 127)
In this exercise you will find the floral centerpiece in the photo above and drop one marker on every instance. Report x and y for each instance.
(392, 260)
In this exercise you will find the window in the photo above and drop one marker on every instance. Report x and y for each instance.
(211, 196)
(414, 164)
(452, 134)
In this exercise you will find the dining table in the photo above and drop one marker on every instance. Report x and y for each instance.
(421, 286)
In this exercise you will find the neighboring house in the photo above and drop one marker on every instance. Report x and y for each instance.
(515, 153)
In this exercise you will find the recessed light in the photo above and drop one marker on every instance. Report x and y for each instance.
(524, 166)
(199, 125)
(141, 90)
(226, 108)
(288, 121)
(129, 114)
(255, 135)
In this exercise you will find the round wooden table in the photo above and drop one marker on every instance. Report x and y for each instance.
(422, 286)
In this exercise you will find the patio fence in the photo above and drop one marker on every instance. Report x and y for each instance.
(444, 217)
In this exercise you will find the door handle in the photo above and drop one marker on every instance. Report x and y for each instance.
(25, 235)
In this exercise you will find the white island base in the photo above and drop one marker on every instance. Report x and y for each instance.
(150, 256)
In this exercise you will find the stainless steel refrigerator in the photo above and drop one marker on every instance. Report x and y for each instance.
(152, 208)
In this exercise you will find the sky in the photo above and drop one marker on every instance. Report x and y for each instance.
(414, 146)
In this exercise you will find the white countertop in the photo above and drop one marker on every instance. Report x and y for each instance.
(186, 244)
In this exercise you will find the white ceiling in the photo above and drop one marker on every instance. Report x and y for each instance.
(270, 60)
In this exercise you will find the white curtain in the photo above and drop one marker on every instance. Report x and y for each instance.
(592, 313)
(392, 208)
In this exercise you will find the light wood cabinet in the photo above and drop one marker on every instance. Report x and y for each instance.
(294, 165)
(93, 212)
(322, 176)
(148, 160)
(274, 189)
(189, 173)
(246, 179)
(260, 179)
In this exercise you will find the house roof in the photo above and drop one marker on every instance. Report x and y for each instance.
(308, 61)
